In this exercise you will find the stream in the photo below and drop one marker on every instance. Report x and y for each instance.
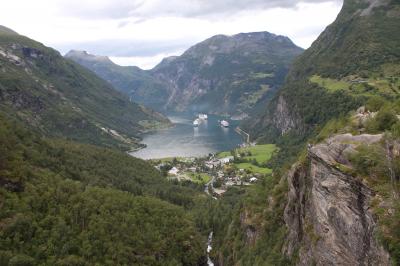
(209, 248)
(210, 236)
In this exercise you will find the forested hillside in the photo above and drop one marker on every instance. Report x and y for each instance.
(65, 203)
(60, 98)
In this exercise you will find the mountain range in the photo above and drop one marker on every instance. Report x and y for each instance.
(219, 75)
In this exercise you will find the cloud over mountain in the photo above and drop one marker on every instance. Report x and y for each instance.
(144, 9)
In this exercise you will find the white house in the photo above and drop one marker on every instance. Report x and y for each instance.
(173, 171)
(226, 159)
(253, 179)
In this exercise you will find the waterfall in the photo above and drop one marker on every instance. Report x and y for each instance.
(209, 248)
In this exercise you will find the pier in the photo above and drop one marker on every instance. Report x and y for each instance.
(244, 134)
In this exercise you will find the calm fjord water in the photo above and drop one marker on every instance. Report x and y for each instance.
(183, 140)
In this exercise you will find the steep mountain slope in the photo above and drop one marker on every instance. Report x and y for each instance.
(356, 57)
(223, 74)
(333, 201)
(61, 98)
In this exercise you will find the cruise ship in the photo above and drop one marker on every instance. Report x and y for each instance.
(224, 123)
(203, 116)
(196, 122)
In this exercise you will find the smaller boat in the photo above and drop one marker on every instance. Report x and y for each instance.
(196, 122)
(224, 123)
(203, 116)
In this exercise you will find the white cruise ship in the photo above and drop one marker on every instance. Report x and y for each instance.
(196, 122)
(224, 123)
(203, 116)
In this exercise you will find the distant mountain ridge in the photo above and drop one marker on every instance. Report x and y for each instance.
(83, 54)
(131, 80)
(60, 98)
(223, 74)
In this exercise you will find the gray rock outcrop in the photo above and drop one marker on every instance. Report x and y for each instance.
(328, 216)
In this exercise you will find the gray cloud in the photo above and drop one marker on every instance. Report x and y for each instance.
(143, 9)
(109, 9)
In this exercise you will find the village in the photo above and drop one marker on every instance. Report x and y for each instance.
(243, 166)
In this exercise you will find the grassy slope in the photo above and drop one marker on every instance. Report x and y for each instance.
(200, 178)
(383, 83)
(259, 153)
(253, 168)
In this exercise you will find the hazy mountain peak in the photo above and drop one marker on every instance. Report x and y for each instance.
(80, 54)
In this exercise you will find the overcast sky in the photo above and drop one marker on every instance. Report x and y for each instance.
(142, 32)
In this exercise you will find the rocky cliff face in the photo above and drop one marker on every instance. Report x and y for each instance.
(328, 214)
(283, 118)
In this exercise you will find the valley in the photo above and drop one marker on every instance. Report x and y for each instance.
(242, 149)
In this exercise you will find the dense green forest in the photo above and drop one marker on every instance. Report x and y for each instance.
(64, 203)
